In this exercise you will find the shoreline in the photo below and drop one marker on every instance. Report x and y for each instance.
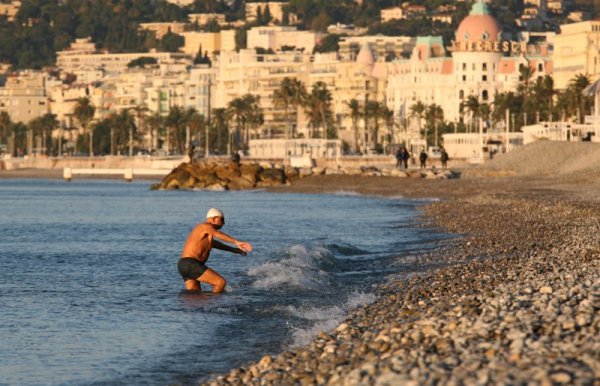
(57, 174)
(517, 302)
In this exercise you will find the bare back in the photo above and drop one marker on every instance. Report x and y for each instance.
(199, 242)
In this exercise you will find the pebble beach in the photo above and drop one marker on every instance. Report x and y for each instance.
(517, 300)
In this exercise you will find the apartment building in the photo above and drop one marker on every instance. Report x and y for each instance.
(277, 37)
(204, 18)
(276, 9)
(394, 13)
(208, 43)
(82, 55)
(24, 97)
(576, 52)
(161, 29)
(246, 72)
(387, 47)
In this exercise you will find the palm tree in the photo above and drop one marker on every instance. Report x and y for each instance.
(198, 125)
(247, 114)
(84, 112)
(155, 123)
(220, 125)
(176, 122)
(433, 116)
(236, 110)
(5, 127)
(387, 116)
(318, 108)
(123, 124)
(44, 126)
(549, 92)
(50, 123)
(254, 115)
(140, 113)
(473, 106)
(417, 111)
(581, 102)
(299, 96)
(355, 115)
(282, 97)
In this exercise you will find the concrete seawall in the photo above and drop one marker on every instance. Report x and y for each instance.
(114, 162)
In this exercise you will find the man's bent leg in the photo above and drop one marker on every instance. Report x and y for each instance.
(211, 277)
(192, 285)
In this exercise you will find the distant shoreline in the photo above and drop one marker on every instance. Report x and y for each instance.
(34, 173)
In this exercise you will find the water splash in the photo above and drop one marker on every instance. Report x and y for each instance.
(324, 319)
(302, 267)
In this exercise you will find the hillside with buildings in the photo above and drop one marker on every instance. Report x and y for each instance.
(157, 77)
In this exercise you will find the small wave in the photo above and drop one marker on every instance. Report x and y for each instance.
(346, 193)
(326, 318)
(346, 249)
(302, 267)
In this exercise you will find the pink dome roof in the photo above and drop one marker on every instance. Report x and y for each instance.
(479, 26)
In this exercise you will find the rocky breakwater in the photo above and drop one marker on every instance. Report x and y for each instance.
(214, 175)
(518, 302)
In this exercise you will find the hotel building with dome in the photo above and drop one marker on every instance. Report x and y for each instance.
(480, 62)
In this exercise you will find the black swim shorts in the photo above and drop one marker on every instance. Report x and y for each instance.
(190, 268)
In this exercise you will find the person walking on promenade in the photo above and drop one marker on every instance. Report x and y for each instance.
(423, 159)
(196, 251)
(444, 158)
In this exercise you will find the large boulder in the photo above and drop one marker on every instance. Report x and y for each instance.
(251, 172)
(240, 183)
(179, 178)
(270, 177)
(291, 173)
(227, 171)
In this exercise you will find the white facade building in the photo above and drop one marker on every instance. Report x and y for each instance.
(82, 55)
(277, 37)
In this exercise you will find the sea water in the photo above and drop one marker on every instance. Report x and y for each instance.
(90, 293)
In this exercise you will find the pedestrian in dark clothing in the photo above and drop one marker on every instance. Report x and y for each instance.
(444, 158)
(235, 158)
(405, 157)
(423, 159)
(399, 157)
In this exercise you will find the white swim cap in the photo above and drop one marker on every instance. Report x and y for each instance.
(214, 212)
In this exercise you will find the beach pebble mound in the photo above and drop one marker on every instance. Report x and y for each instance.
(516, 301)
(545, 158)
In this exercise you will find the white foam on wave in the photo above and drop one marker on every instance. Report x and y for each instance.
(325, 319)
(300, 269)
(346, 193)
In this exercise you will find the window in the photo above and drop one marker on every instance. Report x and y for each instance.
(464, 66)
(464, 78)
(484, 66)
(461, 94)
(484, 95)
(484, 78)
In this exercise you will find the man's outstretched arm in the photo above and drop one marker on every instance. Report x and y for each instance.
(247, 247)
(224, 247)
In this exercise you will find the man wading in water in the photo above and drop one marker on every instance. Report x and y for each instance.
(197, 248)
